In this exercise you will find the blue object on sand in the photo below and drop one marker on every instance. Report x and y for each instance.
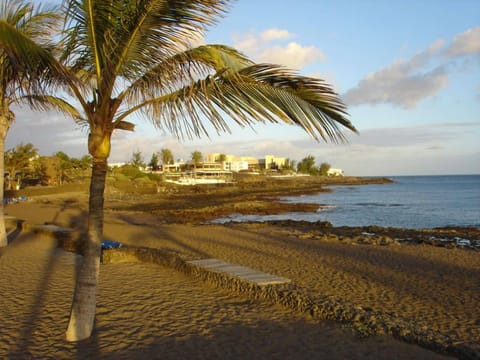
(107, 244)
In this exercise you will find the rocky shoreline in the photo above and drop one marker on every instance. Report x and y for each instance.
(446, 237)
(253, 195)
(259, 196)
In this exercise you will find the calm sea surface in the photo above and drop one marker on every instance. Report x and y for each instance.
(410, 202)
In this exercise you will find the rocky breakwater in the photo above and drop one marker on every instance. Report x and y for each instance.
(446, 237)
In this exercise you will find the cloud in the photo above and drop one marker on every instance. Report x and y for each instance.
(405, 83)
(293, 55)
(427, 149)
(247, 43)
(269, 46)
(275, 34)
(252, 43)
(365, 160)
(465, 43)
(424, 136)
(49, 132)
(395, 86)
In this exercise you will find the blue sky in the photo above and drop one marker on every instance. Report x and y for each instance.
(409, 72)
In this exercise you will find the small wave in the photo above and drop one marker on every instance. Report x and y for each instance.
(375, 204)
(326, 207)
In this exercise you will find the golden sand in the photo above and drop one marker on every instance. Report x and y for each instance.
(148, 311)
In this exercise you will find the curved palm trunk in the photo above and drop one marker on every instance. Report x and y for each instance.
(5, 122)
(82, 314)
(3, 134)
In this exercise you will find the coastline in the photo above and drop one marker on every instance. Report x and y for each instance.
(435, 286)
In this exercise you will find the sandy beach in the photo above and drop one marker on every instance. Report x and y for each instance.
(149, 311)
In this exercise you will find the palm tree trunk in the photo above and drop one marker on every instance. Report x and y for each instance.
(82, 314)
(3, 232)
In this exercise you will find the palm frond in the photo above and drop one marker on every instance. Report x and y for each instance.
(40, 23)
(15, 11)
(82, 42)
(258, 93)
(126, 38)
(26, 47)
(319, 96)
(22, 59)
(48, 102)
(158, 29)
(183, 68)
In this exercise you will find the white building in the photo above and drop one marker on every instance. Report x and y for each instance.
(117, 164)
(235, 166)
(272, 162)
(335, 172)
(234, 163)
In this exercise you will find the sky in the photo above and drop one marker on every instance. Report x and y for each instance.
(409, 72)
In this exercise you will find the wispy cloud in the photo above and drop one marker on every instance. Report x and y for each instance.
(405, 83)
(398, 86)
(430, 148)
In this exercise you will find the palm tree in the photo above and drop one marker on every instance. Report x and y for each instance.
(153, 163)
(137, 160)
(197, 157)
(20, 74)
(18, 162)
(133, 58)
(167, 156)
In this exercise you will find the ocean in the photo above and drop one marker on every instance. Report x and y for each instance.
(414, 202)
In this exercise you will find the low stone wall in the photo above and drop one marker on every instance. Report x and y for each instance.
(67, 239)
(364, 321)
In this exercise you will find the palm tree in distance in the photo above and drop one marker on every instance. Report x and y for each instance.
(167, 157)
(133, 57)
(23, 74)
(17, 163)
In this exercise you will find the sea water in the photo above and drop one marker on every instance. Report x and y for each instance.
(409, 202)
